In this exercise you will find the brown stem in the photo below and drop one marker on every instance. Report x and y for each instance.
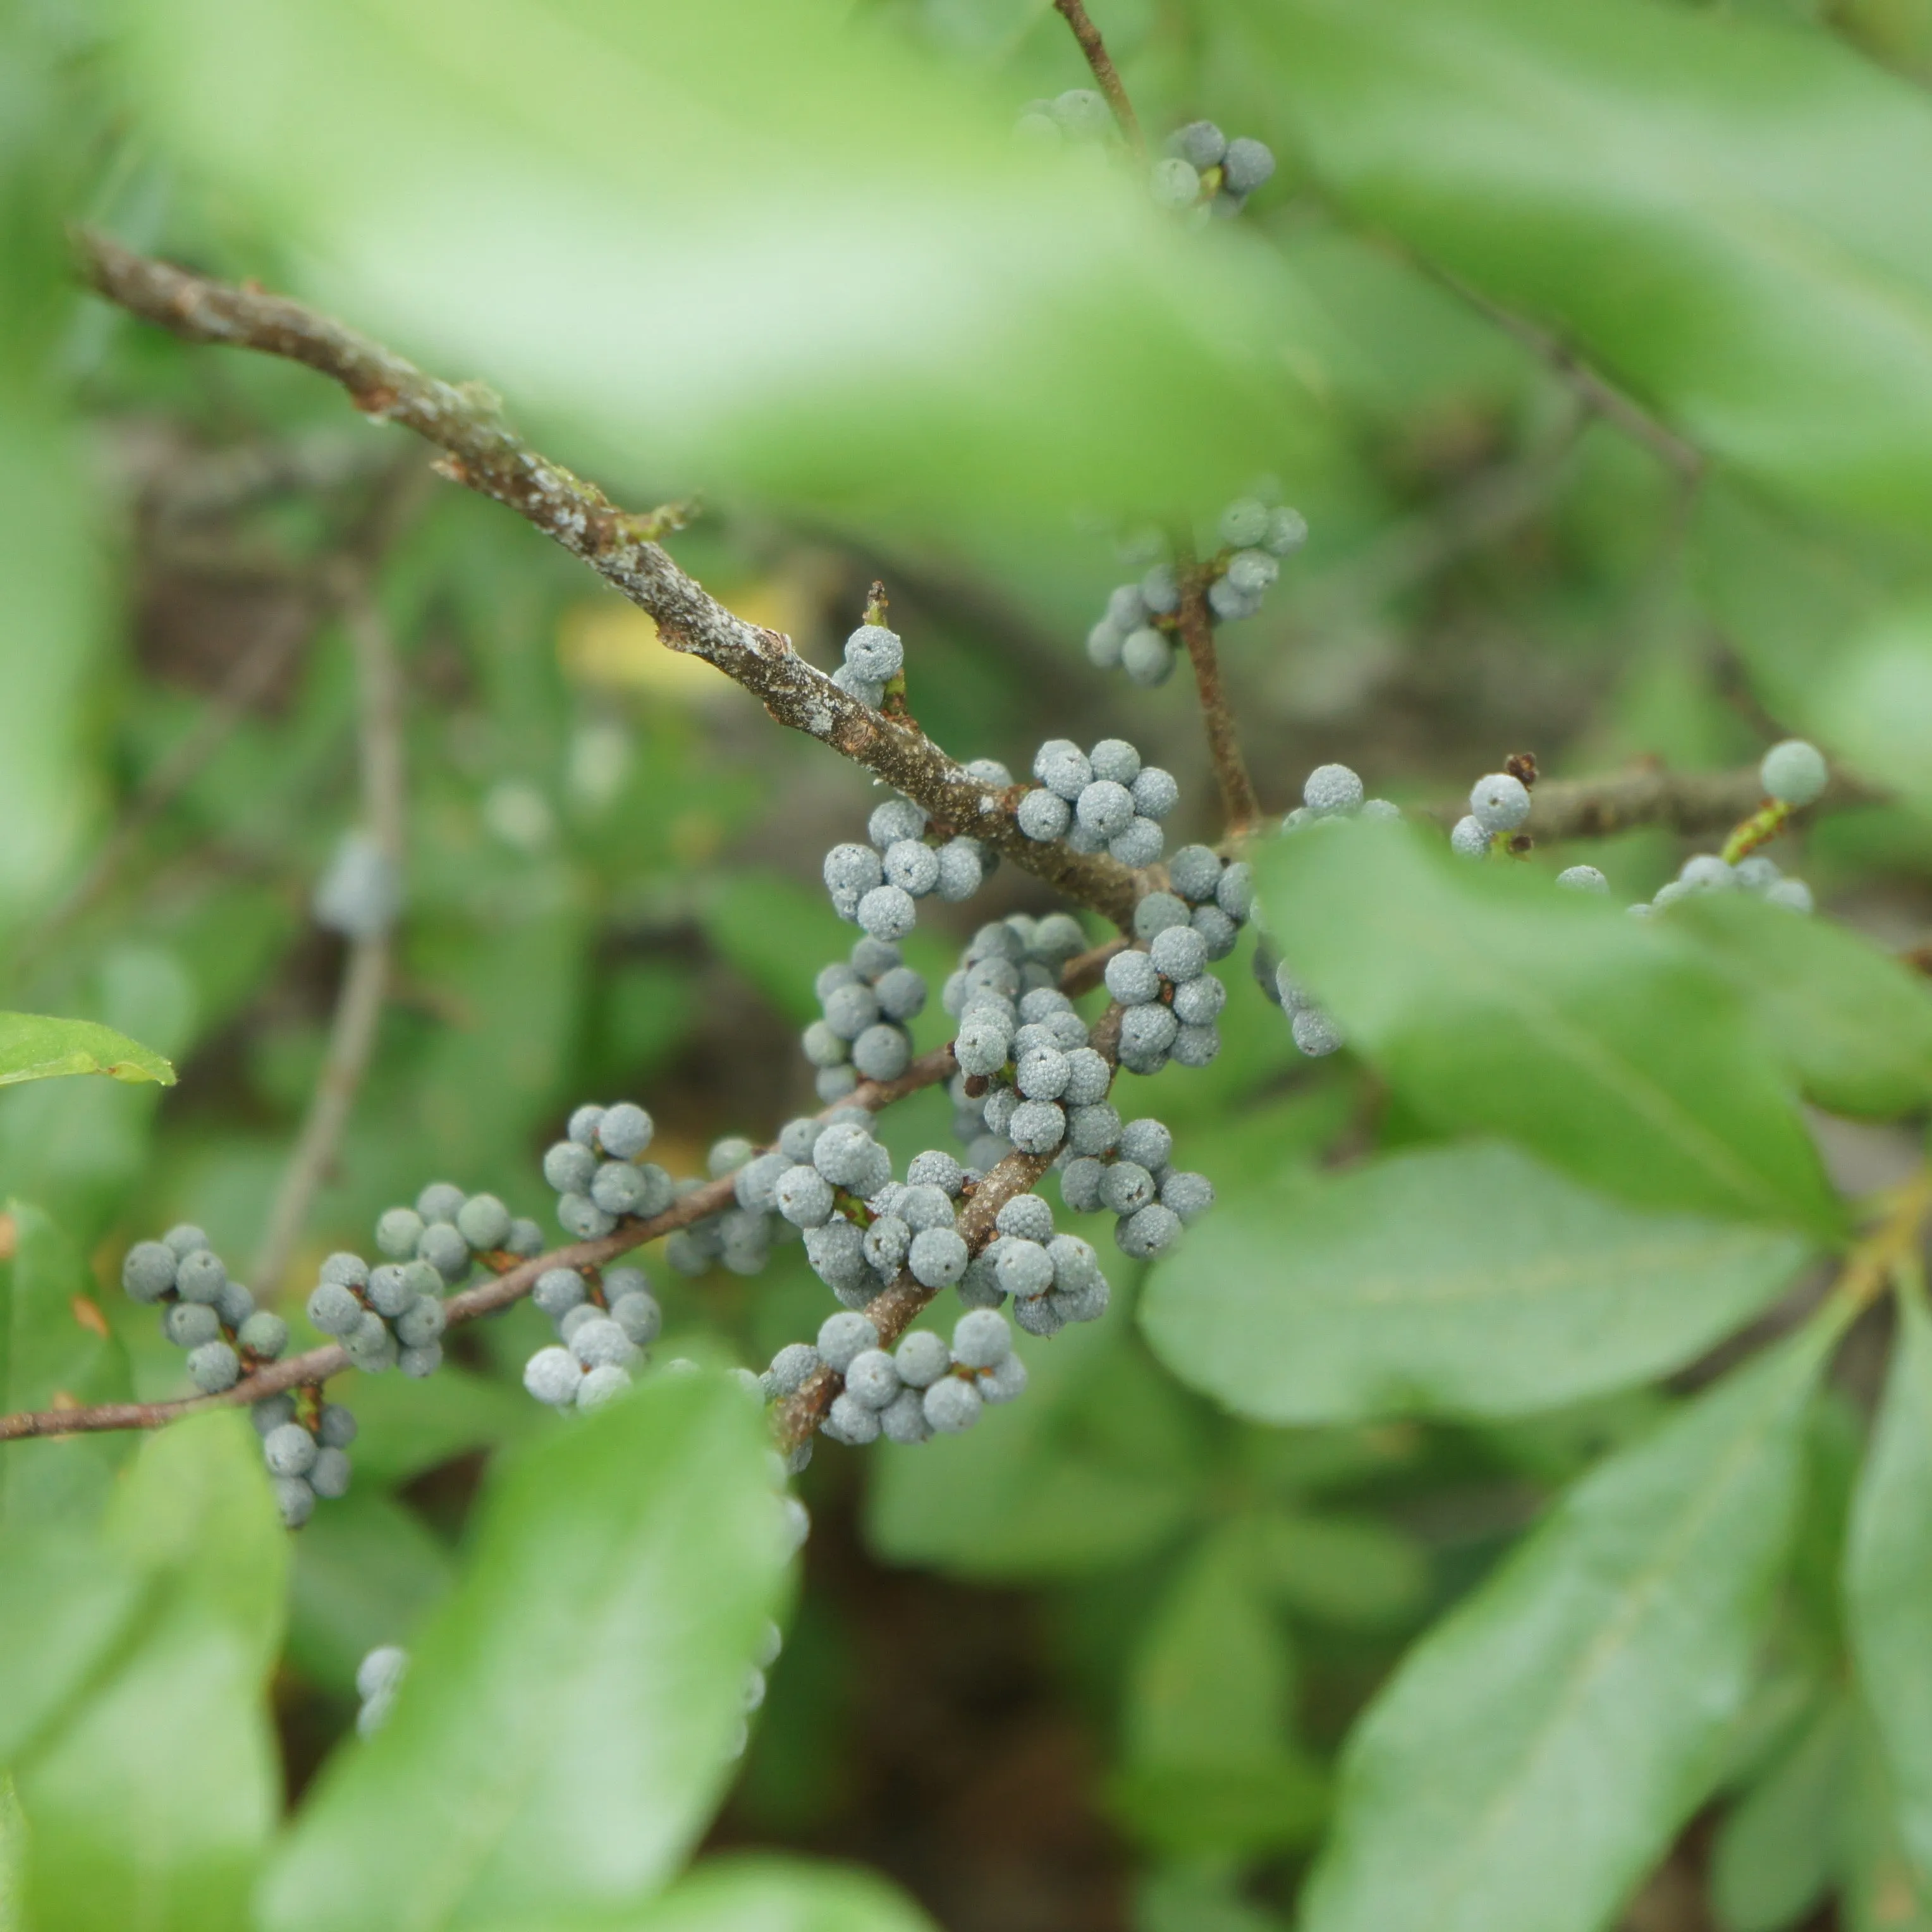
(1075, 15)
(1224, 744)
(486, 456)
(1694, 802)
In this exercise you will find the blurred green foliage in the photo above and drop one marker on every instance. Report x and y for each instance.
(1596, 344)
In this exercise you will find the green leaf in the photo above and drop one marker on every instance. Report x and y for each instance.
(759, 1893)
(1883, 1891)
(33, 1047)
(1775, 1854)
(1355, 1570)
(1851, 1026)
(1606, 1044)
(1094, 1467)
(1698, 202)
(564, 1730)
(1536, 1752)
(54, 1346)
(1462, 1280)
(66, 1602)
(1210, 1765)
(120, 1837)
(1888, 1579)
(672, 227)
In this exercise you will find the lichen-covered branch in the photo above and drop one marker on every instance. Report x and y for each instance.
(482, 453)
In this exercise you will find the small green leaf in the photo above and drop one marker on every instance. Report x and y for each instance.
(54, 1346)
(123, 1837)
(1456, 1281)
(1355, 1570)
(1777, 1851)
(1211, 1763)
(1888, 1579)
(1055, 1485)
(33, 1047)
(565, 1728)
(1536, 1752)
(1606, 1044)
(1851, 1025)
(773, 1895)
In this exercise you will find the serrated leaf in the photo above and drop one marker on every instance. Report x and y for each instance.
(1463, 1280)
(564, 1729)
(1889, 1580)
(1699, 202)
(122, 1838)
(1537, 1750)
(1603, 1044)
(672, 229)
(35, 1047)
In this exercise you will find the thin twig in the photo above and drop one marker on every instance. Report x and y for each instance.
(483, 454)
(1224, 743)
(1692, 802)
(365, 978)
(1104, 72)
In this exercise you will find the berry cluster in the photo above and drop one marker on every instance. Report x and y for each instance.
(391, 1316)
(603, 1326)
(305, 1446)
(922, 1388)
(599, 1172)
(874, 657)
(213, 1319)
(1172, 1002)
(1105, 800)
(867, 1005)
(1206, 173)
(1499, 806)
(1053, 1279)
(377, 1678)
(1137, 635)
(1710, 872)
(878, 886)
(741, 1236)
(1134, 1180)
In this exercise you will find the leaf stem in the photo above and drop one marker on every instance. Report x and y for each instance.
(1101, 63)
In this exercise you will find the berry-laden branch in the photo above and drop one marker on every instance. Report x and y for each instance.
(317, 1365)
(1692, 802)
(1104, 72)
(484, 455)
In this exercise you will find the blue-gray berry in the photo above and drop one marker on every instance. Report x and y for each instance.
(390, 1290)
(441, 1200)
(1022, 1267)
(1315, 1034)
(553, 1376)
(443, 1247)
(600, 1343)
(1043, 815)
(1331, 791)
(1080, 1185)
(913, 866)
(888, 912)
(1146, 656)
(887, 1241)
(1178, 952)
(1126, 1187)
(289, 1450)
(981, 1339)
(264, 1335)
(328, 1475)
(851, 1422)
(335, 1428)
(199, 1276)
(1133, 979)
(213, 1366)
(882, 1052)
(938, 1257)
(792, 1367)
(1200, 142)
(581, 1127)
(1794, 773)
(1499, 803)
(871, 1379)
(148, 1271)
(1025, 1217)
(271, 1412)
(618, 1188)
(422, 1322)
(844, 1336)
(1036, 1126)
(398, 1229)
(1092, 1130)
(1151, 1232)
(334, 1310)
(1147, 1032)
(234, 1304)
(952, 1406)
(567, 1167)
(184, 1238)
(894, 819)
(294, 1499)
(1470, 838)
(1287, 531)
(1199, 1002)
(935, 1168)
(484, 1222)
(903, 1419)
(1585, 879)
(1245, 521)
(921, 1359)
(874, 652)
(1175, 183)
(580, 1217)
(1247, 163)
(638, 1315)
(1188, 1195)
